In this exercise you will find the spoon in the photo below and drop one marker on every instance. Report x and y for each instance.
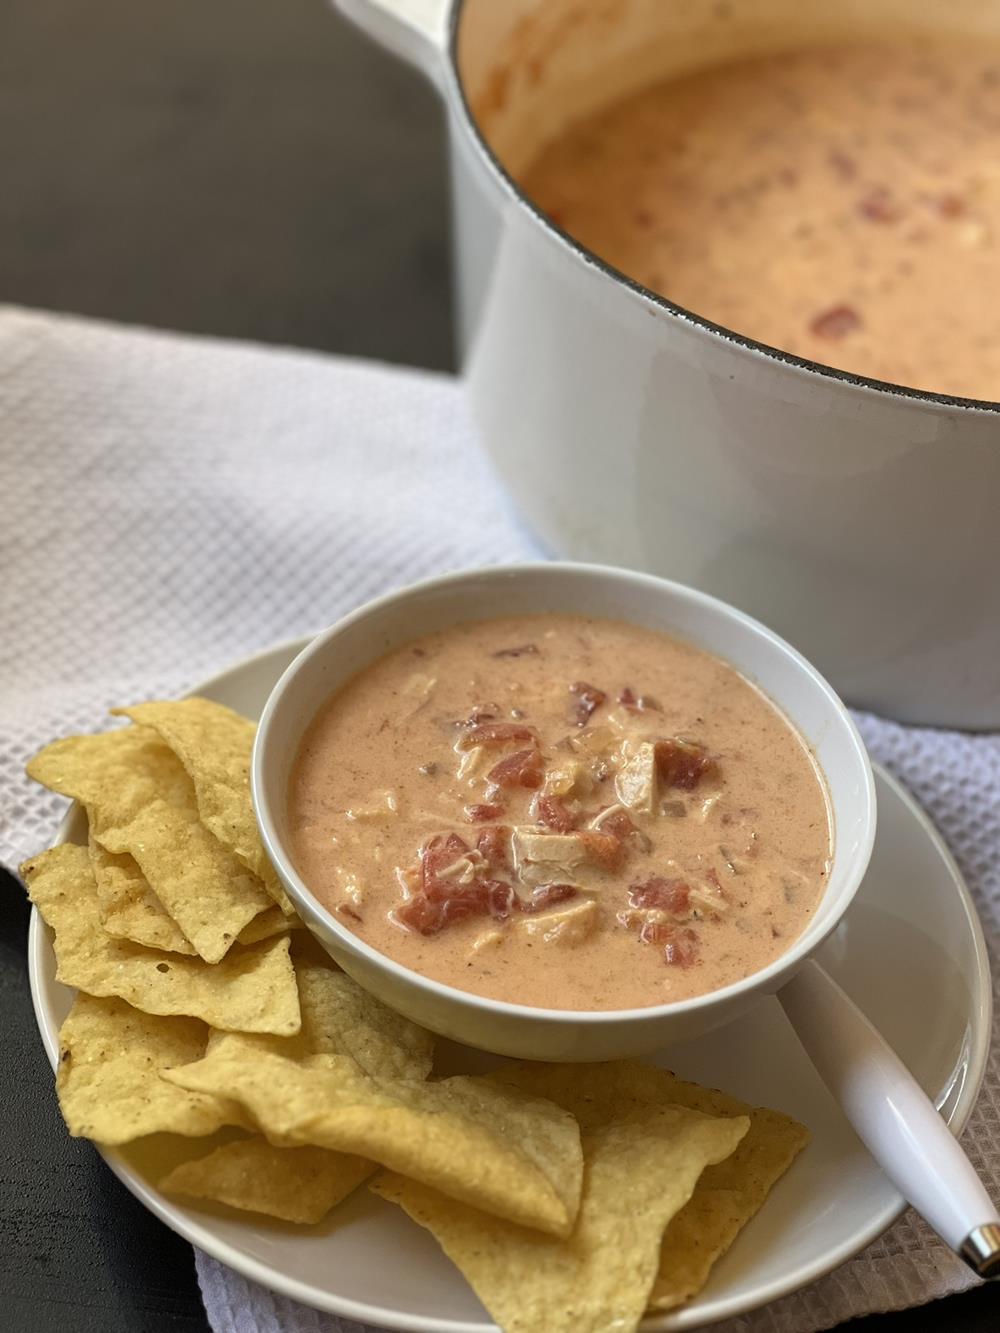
(894, 1117)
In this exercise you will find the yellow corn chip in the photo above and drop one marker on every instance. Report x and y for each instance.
(214, 745)
(272, 921)
(252, 990)
(702, 1231)
(129, 908)
(728, 1195)
(296, 1184)
(142, 803)
(340, 1018)
(512, 1154)
(640, 1168)
(108, 1080)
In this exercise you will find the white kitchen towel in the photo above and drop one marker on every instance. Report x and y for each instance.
(171, 504)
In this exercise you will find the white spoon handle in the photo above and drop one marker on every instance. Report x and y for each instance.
(894, 1117)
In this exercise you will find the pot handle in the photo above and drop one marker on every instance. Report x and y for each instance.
(893, 1116)
(414, 30)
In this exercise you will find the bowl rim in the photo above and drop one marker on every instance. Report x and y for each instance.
(454, 86)
(765, 980)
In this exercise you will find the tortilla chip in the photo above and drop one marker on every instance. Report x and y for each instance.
(339, 1017)
(272, 921)
(737, 1186)
(728, 1195)
(142, 803)
(640, 1168)
(214, 744)
(295, 1184)
(512, 1154)
(130, 910)
(252, 990)
(128, 907)
(702, 1231)
(108, 1080)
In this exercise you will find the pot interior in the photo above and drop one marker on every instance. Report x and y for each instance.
(530, 68)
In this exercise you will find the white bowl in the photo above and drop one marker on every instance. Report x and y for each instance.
(519, 1030)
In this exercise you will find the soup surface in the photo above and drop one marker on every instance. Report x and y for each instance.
(562, 812)
(842, 204)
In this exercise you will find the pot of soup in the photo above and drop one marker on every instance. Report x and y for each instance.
(726, 283)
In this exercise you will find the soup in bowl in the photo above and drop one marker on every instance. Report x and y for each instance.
(603, 819)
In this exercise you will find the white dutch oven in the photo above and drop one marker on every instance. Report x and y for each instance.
(857, 518)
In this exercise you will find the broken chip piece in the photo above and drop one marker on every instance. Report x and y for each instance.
(108, 1082)
(729, 1194)
(128, 907)
(251, 990)
(214, 744)
(295, 1184)
(141, 802)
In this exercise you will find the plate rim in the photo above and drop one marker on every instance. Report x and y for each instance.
(177, 1217)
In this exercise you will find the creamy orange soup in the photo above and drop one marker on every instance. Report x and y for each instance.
(563, 812)
(842, 204)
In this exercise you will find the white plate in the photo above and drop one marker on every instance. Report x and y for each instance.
(910, 952)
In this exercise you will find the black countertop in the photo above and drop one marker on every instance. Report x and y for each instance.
(240, 168)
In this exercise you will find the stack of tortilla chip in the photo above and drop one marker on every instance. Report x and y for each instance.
(572, 1197)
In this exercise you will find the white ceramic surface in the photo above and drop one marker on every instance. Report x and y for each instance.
(557, 1034)
(895, 1119)
(910, 951)
(856, 518)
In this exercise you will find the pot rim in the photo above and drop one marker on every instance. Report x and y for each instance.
(454, 88)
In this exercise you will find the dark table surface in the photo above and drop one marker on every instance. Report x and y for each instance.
(244, 168)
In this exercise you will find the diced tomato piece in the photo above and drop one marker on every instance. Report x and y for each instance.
(680, 943)
(547, 895)
(949, 205)
(499, 733)
(500, 898)
(522, 650)
(586, 699)
(878, 205)
(552, 812)
(638, 703)
(494, 846)
(681, 950)
(604, 849)
(835, 322)
(681, 764)
(619, 823)
(525, 768)
(428, 915)
(655, 932)
(437, 854)
(482, 814)
(667, 895)
(420, 914)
